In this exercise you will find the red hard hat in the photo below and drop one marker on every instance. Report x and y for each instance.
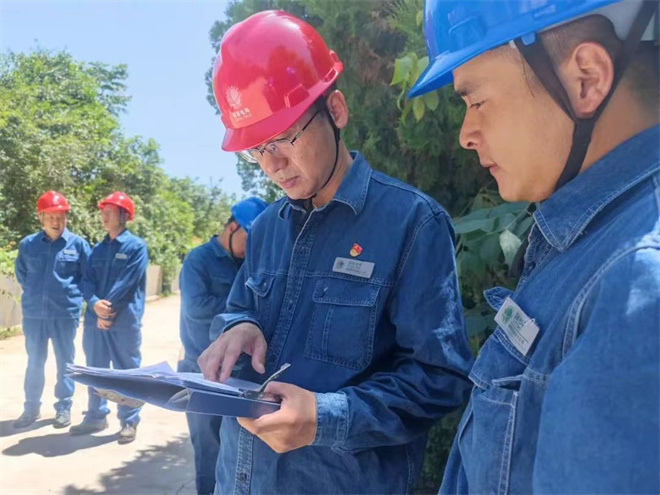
(270, 69)
(122, 200)
(51, 201)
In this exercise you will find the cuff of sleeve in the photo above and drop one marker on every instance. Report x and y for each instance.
(331, 419)
(92, 301)
(238, 322)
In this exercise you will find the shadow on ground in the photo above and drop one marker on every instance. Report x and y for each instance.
(57, 444)
(164, 469)
(7, 429)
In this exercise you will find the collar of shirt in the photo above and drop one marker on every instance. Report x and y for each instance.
(352, 190)
(217, 248)
(121, 238)
(565, 215)
(66, 236)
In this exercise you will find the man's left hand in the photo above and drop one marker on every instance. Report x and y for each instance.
(290, 428)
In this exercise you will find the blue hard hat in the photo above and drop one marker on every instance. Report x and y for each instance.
(246, 211)
(457, 31)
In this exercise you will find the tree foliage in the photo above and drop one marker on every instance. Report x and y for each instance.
(60, 129)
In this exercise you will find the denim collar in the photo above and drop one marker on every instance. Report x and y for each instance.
(352, 190)
(66, 235)
(566, 214)
(217, 248)
(121, 238)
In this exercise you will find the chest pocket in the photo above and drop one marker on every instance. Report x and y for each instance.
(67, 264)
(343, 323)
(261, 285)
(117, 266)
(35, 265)
(486, 431)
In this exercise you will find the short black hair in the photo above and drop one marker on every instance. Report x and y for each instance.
(642, 74)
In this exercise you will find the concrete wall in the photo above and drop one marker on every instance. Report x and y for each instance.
(10, 303)
(174, 285)
(10, 293)
(154, 281)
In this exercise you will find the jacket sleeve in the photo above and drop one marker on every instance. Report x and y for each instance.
(200, 298)
(20, 265)
(240, 305)
(88, 284)
(130, 277)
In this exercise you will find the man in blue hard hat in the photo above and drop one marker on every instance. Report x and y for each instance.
(207, 275)
(562, 108)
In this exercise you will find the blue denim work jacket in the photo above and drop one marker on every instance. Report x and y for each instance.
(578, 412)
(205, 281)
(117, 272)
(361, 297)
(50, 273)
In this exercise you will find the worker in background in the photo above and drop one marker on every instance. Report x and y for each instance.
(206, 278)
(49, 268)
(114, 286)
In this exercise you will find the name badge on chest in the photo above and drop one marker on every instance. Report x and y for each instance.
(121, 256)
(69, 252)
(362, 269)
(520, 328)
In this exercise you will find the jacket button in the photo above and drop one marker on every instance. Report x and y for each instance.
(242, 477)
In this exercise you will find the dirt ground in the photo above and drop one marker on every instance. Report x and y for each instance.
(43, 460)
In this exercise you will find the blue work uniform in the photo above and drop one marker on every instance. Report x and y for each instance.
(117, 272)
(50, 273)
(361, 297)
(205, 281)
(570, 403)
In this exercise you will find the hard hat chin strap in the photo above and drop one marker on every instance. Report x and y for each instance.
(238, 260)
(537, 57)
(539, 60)
(337, 136)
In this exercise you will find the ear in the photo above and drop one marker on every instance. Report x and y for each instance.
(233, 227)
(338, 108)
(587, 74)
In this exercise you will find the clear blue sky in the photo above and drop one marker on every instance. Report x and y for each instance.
(166, 47)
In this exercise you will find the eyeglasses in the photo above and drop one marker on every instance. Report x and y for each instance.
(279, 148)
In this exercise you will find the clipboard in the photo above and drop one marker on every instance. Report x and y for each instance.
(161, 386)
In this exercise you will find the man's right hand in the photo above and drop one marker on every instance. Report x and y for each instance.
(103, 309)
(218, 360)
(103, 324)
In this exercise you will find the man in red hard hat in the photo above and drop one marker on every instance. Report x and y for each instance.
(373, 330)
(114, 286)
(49, 268)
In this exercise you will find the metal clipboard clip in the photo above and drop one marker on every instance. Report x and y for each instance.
(260, 392)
